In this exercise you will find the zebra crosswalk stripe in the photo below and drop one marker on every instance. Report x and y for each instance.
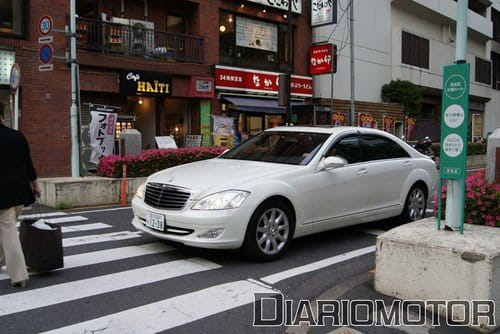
(108, 255)
(175, 311)
(98, 238)
(84, 227)
(42, 215)
(60, 293)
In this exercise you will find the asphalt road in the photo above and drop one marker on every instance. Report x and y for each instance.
(116, 280)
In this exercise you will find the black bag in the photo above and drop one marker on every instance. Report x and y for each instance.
(42, 249)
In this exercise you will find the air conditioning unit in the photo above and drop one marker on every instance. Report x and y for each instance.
(142, 37)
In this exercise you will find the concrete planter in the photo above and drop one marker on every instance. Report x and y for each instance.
(85, 191)
(415, 261)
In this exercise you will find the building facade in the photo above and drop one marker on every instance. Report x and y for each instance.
(413, 40)
(166, 67)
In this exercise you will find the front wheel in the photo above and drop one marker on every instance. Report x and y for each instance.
(415, 205)
(269, 232)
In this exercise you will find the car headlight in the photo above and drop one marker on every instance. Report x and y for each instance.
(140, 191)
(230, 199)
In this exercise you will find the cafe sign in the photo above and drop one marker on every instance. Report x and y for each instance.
(145, 83)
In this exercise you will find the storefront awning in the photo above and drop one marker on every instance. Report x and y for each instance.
(258, 105)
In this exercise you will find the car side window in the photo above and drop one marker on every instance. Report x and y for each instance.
(347, 148)
(398, 151)
(379, 148)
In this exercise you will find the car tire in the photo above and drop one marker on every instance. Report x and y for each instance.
(415, 204)
(266, 240)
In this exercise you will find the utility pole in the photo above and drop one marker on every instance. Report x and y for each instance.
(353, 97)
(456, 188)
(75, 145)
(289, 65)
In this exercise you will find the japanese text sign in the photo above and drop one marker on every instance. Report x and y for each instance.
(322, 59)
(102, 132)
(454, 121)
(245, 80)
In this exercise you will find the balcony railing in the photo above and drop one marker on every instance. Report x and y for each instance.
(136, 40)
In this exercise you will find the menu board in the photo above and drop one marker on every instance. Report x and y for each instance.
(192, 141)
(256, 34)
(166, 142)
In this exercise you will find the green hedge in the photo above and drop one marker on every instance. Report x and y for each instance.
(472, 148)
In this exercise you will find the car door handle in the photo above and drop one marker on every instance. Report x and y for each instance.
(362, 171)
(406, 164)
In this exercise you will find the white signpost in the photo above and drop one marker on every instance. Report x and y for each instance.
(15, 80)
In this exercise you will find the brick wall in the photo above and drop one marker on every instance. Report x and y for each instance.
(378, 110)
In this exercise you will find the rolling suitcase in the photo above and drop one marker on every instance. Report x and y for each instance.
(42, 248)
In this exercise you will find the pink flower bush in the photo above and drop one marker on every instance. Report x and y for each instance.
(482, 200)
(152, 161)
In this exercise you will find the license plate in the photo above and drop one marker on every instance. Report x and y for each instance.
(155, 221)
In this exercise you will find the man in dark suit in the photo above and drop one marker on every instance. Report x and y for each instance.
(18, 187)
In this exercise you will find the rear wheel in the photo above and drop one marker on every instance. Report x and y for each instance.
(415, 205)
(269, 232)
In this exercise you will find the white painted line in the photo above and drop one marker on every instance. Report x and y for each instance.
(108, 255)
(60, 293)
(80, 228)
(173, 312)
(429, 211)
(42, 215)
(85, 227)
(97, 238)
(274, 278)
(372, 231)
(70, 219)
(100, 210)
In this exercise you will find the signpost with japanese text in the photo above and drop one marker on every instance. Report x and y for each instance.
(454, 124)
(454, 121)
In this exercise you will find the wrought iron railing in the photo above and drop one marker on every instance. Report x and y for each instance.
(136, 40)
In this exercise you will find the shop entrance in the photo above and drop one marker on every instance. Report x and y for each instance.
(174, 119)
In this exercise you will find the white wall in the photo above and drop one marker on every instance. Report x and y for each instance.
(372, 47)
(378, 28)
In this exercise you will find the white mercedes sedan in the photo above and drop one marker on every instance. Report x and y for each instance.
(285, 183)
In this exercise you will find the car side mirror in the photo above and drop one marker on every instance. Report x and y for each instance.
(333, 163)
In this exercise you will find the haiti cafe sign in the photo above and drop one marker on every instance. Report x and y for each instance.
(145, 83)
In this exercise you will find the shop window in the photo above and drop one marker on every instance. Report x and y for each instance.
(239, 46)
(415, 50)
(175, 24)
(483, 71)
(5, 100)
(13, 17)
(86, 8)
(495, 59)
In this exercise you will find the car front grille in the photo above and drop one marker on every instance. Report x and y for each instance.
(165, 196)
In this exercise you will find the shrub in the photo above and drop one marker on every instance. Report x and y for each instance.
(406, 93)
(472, 149)
(481, 200)
(152, 161)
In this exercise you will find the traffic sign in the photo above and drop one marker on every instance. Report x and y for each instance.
(45, 68)
(15, 77)
(454, 122)
(45, 25)
(45, 39)
(45, 53)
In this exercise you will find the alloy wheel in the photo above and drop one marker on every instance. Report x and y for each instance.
(416, 204)
(273, 230)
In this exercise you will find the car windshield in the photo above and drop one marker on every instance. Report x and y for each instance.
(294, 148)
